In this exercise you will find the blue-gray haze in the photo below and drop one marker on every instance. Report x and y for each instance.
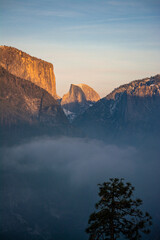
(49, 186)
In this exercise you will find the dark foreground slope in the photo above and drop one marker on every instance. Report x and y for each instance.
(131, 112)
(27, 110)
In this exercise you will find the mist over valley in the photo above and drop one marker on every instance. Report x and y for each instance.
(49, 185)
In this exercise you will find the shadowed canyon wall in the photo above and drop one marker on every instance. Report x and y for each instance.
(27, 110)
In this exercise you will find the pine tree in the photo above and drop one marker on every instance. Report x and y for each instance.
(118, 214)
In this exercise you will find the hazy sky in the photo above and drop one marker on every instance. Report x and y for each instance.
(103, 43)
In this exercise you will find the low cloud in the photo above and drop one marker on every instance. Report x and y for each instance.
(58, 178)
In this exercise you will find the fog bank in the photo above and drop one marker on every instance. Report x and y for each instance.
(49, 186)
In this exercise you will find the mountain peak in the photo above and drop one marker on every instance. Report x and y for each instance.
(90, 93)
(79, 98)
(75, 94)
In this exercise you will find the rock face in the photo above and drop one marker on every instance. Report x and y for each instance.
(29, 68)
(90, 94)
(131, 109)
(25, 107)
(78, 99)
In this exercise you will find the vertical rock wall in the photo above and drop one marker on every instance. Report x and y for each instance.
(29, 68)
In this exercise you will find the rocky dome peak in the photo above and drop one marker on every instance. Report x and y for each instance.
(90, 93)
(80, 93)
(79, 98)
(76, 94)
(29, 68)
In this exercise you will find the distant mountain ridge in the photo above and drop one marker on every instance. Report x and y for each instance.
(132, 109)
(142, 88)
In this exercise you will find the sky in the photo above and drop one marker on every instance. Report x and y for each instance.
(103, 43)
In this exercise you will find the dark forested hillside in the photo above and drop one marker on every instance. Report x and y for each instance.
(130, 111)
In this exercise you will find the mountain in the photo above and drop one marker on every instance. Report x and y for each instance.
(78, 99)
(28, 104)
(130, 111)
(27, 109)
(29, 68)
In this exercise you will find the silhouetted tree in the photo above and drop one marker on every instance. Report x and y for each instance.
(118, 214)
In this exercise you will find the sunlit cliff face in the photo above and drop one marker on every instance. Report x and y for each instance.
(29, 68)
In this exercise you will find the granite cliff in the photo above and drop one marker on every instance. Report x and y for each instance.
(29, 68)
(78, 99)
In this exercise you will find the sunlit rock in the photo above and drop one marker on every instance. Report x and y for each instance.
(29, 68)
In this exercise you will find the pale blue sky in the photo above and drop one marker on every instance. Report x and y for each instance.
(103, 43)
